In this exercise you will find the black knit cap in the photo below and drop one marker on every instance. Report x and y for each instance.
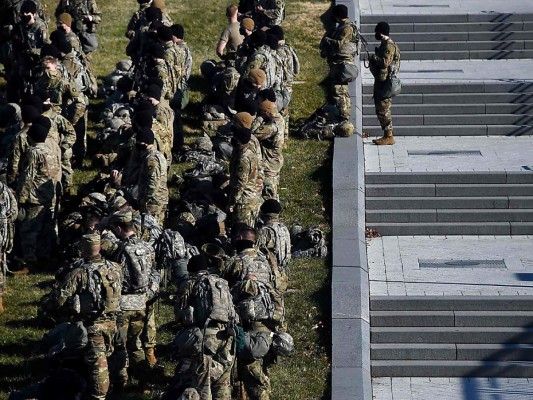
(144, 119)
(258, 38)
(153, 90)
(178, 31)
(49, 50)
(277, 31)
(125, 84)
(243, 135)
(157, 50)
(28, 7)
(34, 101)
(271, 206)
(38, 133)
(267, 94)
(64, 46)
(144, 105)
(383, 28)
(197, 263)
(164, 33)
(57, 36)
(145, 135)
(29, 113)
(272, 42)
(154, 14)
(340, 11)
(43, 121)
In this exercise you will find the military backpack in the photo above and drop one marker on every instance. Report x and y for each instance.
(102, 292)
(211, 300)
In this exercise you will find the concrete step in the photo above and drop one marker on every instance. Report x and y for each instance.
(465, 45)
(451, 318)
(448, 190)
(423, 203)
(443, 334)
(451, 351)
(446, 18)
(452, 130)
(452, 120)
(455, 98)
(452, 54)
(475, 36)
(460, 88)
(451, 303)
(450, 368)
(449, 177)
(457, 215)
(454, 109)
(451, 228)
(446, 27)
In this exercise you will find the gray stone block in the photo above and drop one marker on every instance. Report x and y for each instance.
(444, 130)
(493, 318)
(400, 216)
(402, 99)
(428, 368)
(472, 119)
(412, 318)
(432, 109)
(451, 335)
(399, 190)
(510, 130)
(417, 351)
(403, 203)
(521, 228)
(349, 253)
(431, 55)
(518, 215)
(508, 87)
(351, 384)
(399, 120)
(498, 36)
(346, 232)
(433, 37)
(441, 228)
(350, 343)
(466, 190)
(344, 211)
(495, 352)
(520, 177)
(520, 202)
(476, 98)
(495, 17)
(509, 108)
(345, 176)
(436, 177)
(427, 18)
(456, 46)
(451, 303)
(350, 293)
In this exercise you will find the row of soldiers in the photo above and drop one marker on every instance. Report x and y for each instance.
(225, 250)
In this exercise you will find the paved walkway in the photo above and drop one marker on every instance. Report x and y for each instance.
(452, 389)
(394, 266)
(496, 153)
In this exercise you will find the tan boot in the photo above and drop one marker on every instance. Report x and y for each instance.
(150, 356)
(1, 304)
(387, 139)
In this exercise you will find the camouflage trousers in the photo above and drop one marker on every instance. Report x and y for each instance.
(246, 212)
(99, 348)
(271, 186)
(159, 211)
(129, 353)
(212, 370)
(80, 146)
(254, 376)
(341, 98)
(383, 112)
(149, 329)
(66, 169)
(37, 233)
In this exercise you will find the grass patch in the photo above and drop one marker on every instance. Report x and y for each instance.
(305, 195)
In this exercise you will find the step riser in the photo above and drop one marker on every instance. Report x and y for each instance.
(450, 228)
(409, 216)
(451, 318)
(445, 18)
(451, 352)
(451, 303)
(462, 46)
(489, 369)
(458, 98)
(402, 178)
(475, 119)
(480, 36)
(453, 54)
(454, 89)
(453, 27)
(451, 335)
(415, 203)
(430, 109)
(453, 130)
(449, 190)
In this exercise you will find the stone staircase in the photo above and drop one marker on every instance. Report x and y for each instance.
(463, 336)
(491, 36)
(457, 109)
(499, 203)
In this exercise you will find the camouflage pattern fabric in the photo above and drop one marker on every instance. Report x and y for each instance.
(128, 348)
(85, 14)
(383, 112)
(254, 376)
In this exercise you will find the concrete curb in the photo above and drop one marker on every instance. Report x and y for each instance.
(350, 365)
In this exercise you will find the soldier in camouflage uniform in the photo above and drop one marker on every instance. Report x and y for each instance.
(246, 175)
(85, 20)
(139, 20)
(269, 13)
(384, 62)
(212, 360)
(8, 215)
(89, 291)
(141, 282)
(268, 128)
(36, 194)
(165, 116)
(337, 47)
(163, 135)
(263, 58)
(66, 100)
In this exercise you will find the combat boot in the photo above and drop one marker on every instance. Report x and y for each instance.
(387, 139)
(1, 304)
(150, 356)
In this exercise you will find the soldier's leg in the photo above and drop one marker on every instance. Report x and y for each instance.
(150, 334)
(80, 146)
(255, 380)
(243, 213)
(270, 187)
(66, 169)
(134, 345)
(47, 239)
(383, 112)
(29, 230)
(222, 386)
(341, 98)
(99, 347)
(119, 372)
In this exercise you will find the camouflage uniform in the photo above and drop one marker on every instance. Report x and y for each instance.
(270, 133)
(165, 137)
(273, 13)
(387, 55)
(36, 193)
(274, 240)
(263, 58)
(138, 21)
(8, 215)
(210, 367)
(85, 20)
(290, 68)
(246, 182)
(249, 261)
(73, 297)
(333, 47)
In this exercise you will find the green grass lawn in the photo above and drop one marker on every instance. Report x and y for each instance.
(305, 195)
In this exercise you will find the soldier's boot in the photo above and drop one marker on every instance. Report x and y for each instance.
(1, 304)
(387, 139)
(150, 356)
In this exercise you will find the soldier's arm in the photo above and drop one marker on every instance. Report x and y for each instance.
(65, 289)
(14, 161)
(133, 25)
(385, 59)
(275, 12)
(346, 36)
(154, 176)
(66, 132)
(78, 102)
(60, 8)
(96, 15)
(25, 182)
(265, 131)
(241, 180)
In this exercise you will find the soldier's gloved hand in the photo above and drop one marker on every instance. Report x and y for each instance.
(21, 214)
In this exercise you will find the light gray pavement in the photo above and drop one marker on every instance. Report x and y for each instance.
(498, 153)
(415, 72)
(393, 266)
(387, 7)
(452, 389)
